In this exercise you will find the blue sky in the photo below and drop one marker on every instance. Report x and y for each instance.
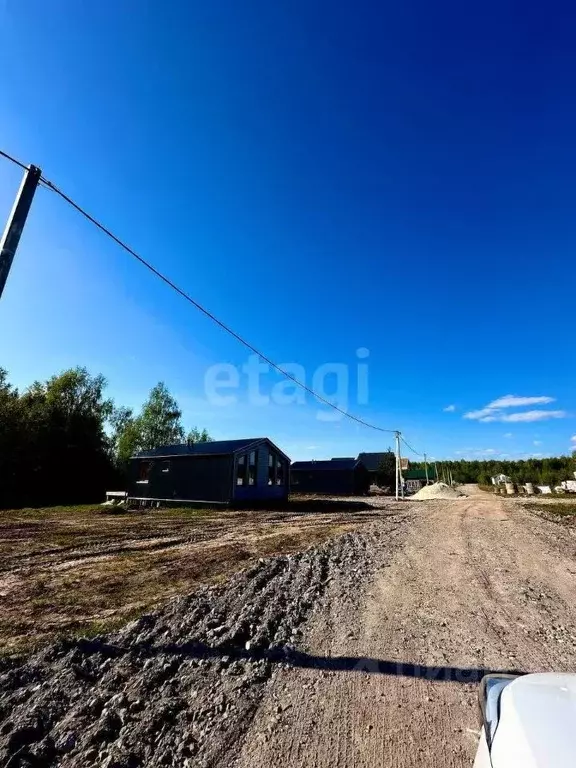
(325, 178)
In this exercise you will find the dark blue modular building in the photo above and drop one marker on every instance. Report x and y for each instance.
(338, 477)
(219, 472)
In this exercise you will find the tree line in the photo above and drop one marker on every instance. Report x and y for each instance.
(546, 471)
(62, 441)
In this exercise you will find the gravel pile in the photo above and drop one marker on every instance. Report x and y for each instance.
(437, 491)
(179, 686)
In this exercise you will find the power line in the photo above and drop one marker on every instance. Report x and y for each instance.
(199, 306)
(206, 312)
(13, 160)
(410, 447)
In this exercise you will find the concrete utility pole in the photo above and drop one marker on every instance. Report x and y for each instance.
(16, 222)
(399, 481)
(397, 468)
(426, 468)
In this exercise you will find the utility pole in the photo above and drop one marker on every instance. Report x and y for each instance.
(16, 222)
(397, 473)
(399, 480)
(426, 468)
(436, 468)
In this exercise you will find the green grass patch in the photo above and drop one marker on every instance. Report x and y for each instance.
(558, 508)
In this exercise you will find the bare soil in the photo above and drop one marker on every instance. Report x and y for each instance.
(364, 650)
(88, 569)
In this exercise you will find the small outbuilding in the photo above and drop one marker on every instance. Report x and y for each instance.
(338, 477)
(415, 479)
(219, 472)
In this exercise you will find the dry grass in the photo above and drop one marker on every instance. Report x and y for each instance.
(88, 569)
(558, 509)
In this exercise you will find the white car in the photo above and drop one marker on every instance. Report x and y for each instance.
(529, 721)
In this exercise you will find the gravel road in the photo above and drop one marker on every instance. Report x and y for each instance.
(365, 651)
(479, 584)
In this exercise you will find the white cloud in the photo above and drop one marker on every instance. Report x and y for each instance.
(508, 434)
(573, 439)
(515, 401)
(479, 415)
(450, 409)
(311, 447)
(494, 411)
(532, 416)
(537, 442)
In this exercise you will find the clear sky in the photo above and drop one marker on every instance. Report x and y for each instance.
(325, 177)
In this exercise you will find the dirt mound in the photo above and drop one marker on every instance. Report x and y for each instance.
(177, 687)
(437, 491)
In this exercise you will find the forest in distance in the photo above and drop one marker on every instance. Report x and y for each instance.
(540, 471)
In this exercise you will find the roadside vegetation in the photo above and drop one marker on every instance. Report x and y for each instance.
(559, 509)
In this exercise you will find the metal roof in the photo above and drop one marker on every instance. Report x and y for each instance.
(214, 448)
(333, 464)
(372, 461)
(418, 474)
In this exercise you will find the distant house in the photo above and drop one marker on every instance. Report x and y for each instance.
(221, 472)
(373, 462)
(416, 478)
(501, 479)
(338, 477)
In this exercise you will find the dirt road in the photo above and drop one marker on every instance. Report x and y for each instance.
(478, 584)
(365, 651)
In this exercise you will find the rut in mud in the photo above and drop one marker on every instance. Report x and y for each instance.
(181, 685)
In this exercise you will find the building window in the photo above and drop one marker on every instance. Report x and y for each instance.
(241, 470)
(252, 467)
(280, 479)
(276, 470)
(144, 471)
(165, 467)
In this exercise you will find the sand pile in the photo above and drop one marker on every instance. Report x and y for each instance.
(437, 491)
